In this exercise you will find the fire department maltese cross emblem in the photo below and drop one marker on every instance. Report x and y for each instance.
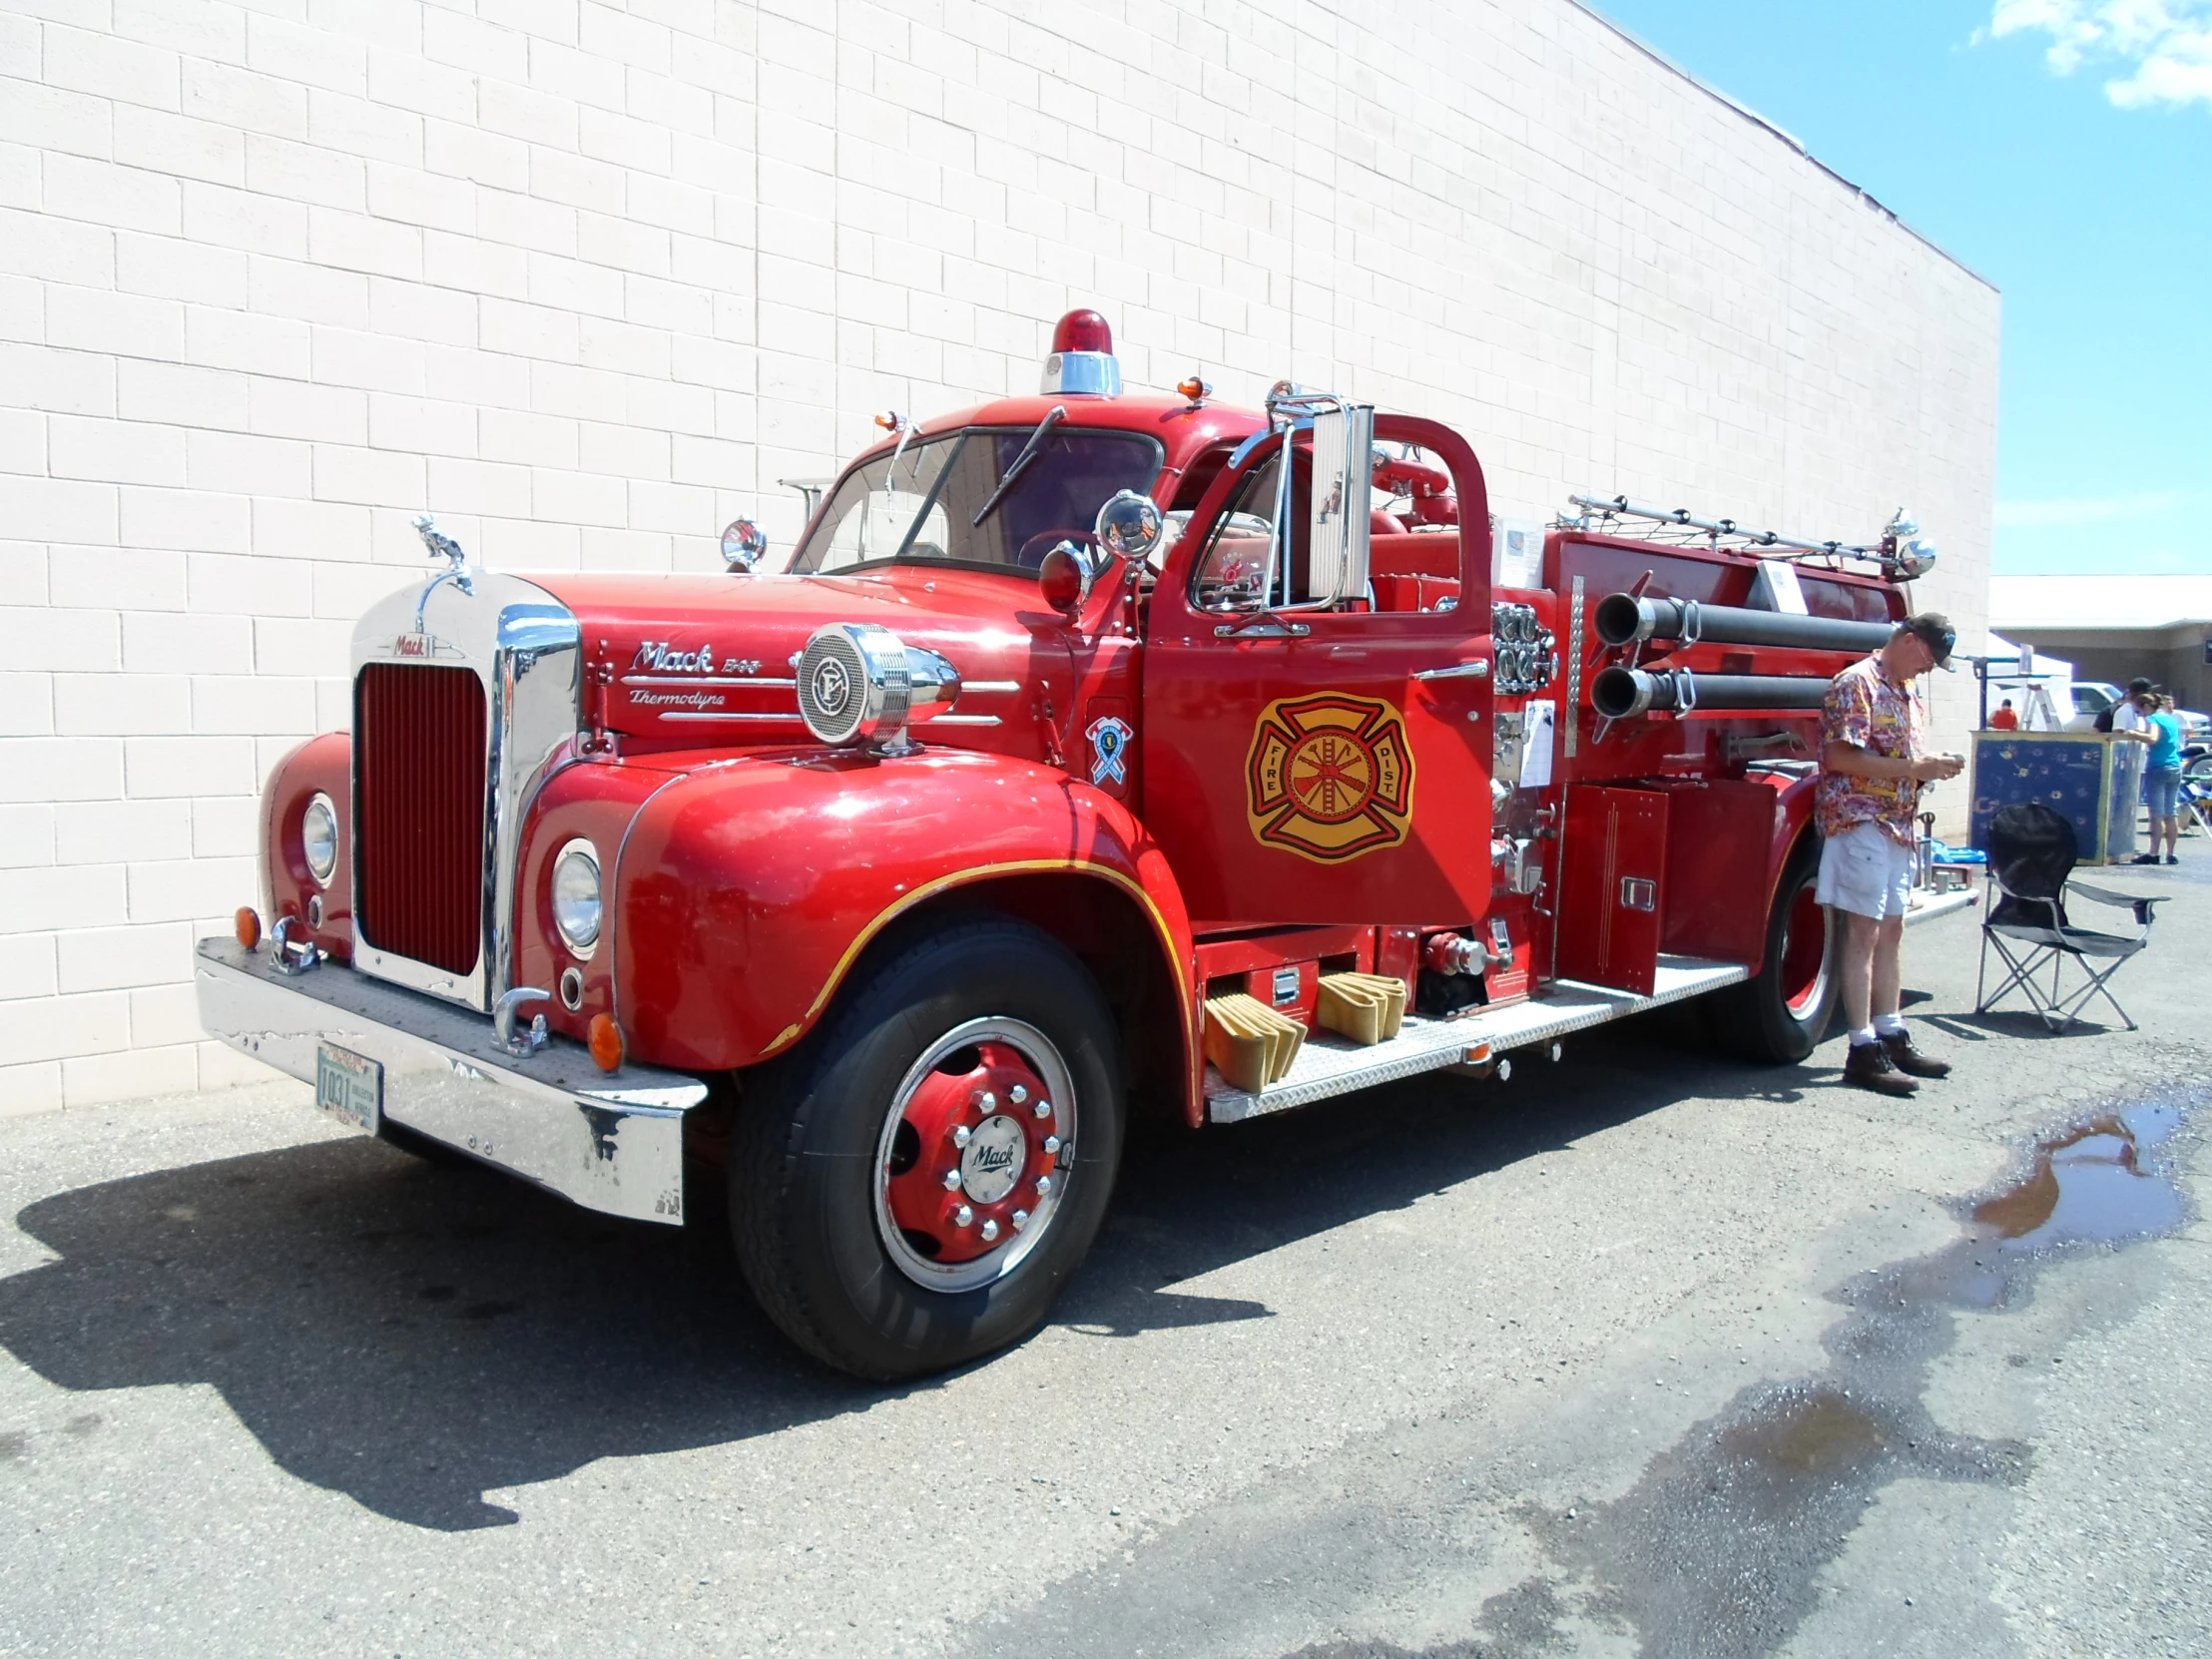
(1329, 776)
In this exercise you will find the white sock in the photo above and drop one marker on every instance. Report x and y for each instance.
(1889, 1025)
(1862, 1036)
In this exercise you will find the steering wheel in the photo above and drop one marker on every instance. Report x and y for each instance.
(1033, 552)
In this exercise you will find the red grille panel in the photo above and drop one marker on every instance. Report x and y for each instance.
(418, 746)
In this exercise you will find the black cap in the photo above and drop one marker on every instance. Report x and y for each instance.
(1934, 630)
(2139, 685)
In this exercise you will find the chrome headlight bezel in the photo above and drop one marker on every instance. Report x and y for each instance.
(322, 868)
(579, 915)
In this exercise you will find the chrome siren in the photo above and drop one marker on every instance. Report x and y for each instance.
(860, 683)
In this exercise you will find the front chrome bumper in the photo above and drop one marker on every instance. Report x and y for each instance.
(611, 1142)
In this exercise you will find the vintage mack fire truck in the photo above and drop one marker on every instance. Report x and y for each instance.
(1091, 753)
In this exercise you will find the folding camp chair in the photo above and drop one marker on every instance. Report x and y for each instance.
(2196, 799)
(2031, 860)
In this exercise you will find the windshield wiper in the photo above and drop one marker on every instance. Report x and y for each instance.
(1028, 453)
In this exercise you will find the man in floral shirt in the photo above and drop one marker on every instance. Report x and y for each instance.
(1871, 770)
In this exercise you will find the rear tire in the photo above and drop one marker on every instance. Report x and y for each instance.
(982, 1054)
(1779, 1014)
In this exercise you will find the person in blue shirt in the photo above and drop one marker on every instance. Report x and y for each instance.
(2161, 775)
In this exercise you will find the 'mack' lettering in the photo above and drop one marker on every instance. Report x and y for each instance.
(660, 657)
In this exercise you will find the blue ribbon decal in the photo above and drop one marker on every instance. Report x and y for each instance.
(1109, 743)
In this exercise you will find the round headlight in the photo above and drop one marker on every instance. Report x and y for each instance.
(319, 839)
(576, 906)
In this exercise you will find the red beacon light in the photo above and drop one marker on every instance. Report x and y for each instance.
(1082, 360)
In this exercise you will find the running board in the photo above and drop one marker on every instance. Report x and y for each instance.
(1328, 1064)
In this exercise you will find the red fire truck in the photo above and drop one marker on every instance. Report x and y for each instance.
(1087, 750)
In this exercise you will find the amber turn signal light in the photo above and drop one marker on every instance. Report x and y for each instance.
(249, 925)
(606, 1042)
(1193, 388)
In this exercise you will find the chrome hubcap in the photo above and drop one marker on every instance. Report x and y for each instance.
(973, 1159)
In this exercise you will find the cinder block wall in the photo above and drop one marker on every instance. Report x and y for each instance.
(585, 281)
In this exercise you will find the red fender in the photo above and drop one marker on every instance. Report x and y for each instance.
(320, 766)
(747, 889)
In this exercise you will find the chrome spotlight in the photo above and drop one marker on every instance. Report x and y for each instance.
(860, 683)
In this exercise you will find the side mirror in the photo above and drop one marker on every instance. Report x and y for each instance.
(1344, 477)
(743, 546)
(1129, 525)
(1066, 575)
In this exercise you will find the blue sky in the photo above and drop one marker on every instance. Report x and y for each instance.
(2064, 150)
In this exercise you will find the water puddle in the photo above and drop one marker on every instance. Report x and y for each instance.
(2091, 1186)
(1718, 1550)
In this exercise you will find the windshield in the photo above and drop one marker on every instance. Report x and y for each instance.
(924, 508)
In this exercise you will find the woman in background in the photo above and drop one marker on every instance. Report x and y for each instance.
(2162, 781)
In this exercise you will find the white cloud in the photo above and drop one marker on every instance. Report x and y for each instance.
(2161, 49)
(2087, 510)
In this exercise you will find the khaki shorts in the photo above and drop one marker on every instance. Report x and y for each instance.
(1866, 872)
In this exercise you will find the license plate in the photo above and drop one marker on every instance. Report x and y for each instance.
(348, 1087)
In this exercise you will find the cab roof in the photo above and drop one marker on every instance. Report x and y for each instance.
(1184, 429)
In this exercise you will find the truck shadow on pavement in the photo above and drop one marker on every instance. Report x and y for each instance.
(416, 1334)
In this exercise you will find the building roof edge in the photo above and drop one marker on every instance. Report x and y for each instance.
(1783, 134)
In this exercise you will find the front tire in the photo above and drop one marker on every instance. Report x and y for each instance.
(912, 1187)
(1782, 1011)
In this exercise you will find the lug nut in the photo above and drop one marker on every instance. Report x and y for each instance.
(1044, 1185)
(990, 1231)
(962, 1216)
(962, 1135)
(1043, 1107)
(1017, 1094)
(1021, 1220)
(1051, 1145)
(952, 1180)
(983, 1101)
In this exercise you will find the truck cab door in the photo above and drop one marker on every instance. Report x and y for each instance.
(1322, 762)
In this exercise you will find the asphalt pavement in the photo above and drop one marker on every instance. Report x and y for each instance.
(1642, 1353)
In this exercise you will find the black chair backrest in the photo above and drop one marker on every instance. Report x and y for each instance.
(2031, 853)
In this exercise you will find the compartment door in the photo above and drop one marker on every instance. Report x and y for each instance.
(1612, 903)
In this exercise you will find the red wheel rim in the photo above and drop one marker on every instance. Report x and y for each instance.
(1804, 952)
(973, 1162)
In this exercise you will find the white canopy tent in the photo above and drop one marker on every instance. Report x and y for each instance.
(2041, 688)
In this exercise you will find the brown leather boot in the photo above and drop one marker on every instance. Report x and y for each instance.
(1909, 1060)
(1868, 1067)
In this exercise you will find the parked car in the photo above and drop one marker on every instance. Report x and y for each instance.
(2092, 696)
(2091, 699)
